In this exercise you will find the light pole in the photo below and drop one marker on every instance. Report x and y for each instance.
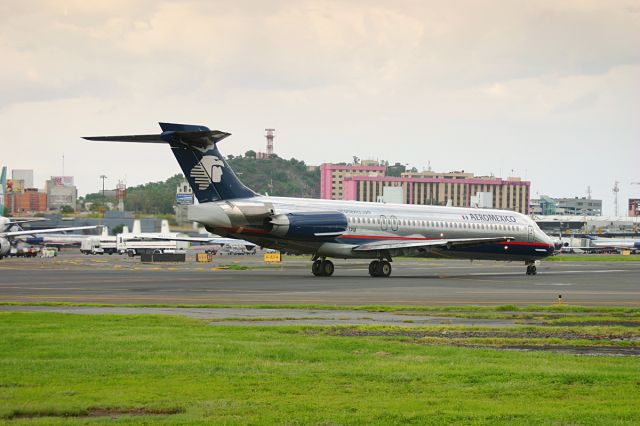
(103, 177)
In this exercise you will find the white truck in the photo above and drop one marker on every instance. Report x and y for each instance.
(134, 245)
(137, 242)
(102, 244)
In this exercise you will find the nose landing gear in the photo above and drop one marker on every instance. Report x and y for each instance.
(322, 268)
(531, 268)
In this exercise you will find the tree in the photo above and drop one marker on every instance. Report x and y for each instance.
(117, 229)
(66, 210)
(250, 154)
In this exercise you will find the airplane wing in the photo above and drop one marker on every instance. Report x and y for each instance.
(437, 243)
(204, 240)
(45, 231)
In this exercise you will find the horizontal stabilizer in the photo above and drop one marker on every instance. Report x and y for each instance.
(188, 134)
(195, 148)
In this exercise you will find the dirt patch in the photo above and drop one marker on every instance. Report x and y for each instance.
(577, 350)
(507, 334)
(595, 323)
(113, 413)
(456, 338)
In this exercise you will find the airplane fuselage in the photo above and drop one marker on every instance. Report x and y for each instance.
(372, 222)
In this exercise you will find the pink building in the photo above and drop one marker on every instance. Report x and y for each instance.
(508, 194)
(332, 177)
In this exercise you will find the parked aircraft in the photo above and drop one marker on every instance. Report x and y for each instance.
(8, 236)
(339, 229)
(593, 244)
(153, 239)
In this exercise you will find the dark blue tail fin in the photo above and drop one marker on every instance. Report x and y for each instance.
(206, 169)
(195, 148)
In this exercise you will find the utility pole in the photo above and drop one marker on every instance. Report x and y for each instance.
(103, 177)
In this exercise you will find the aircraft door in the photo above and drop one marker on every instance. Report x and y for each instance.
(530, 235)
(383, 222)
(394, 223)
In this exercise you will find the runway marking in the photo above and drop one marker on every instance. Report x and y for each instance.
(557, 284)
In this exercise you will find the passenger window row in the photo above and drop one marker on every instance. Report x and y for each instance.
(437, 224)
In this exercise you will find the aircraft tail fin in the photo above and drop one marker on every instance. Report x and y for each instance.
(164, 226)
(195, 148)
(137, 227)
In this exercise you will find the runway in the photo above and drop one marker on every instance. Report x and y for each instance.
(119, 280)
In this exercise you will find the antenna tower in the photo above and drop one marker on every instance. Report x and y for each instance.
(269, 137)
(121, 189)
(589, 192)
(615, 190)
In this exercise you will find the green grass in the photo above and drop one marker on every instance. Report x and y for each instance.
(61, 364)
(593, 258)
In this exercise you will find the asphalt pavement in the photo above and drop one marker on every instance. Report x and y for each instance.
(114, 279)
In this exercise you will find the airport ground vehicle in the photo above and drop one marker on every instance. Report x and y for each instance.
(132, 245)
(336, 228)
(99, 245)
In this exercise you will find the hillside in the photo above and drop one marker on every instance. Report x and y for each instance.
(277, 176)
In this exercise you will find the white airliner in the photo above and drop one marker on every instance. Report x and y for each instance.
(154, 239)
(7, 236)
(339, 229)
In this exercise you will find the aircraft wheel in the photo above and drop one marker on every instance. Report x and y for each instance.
(534, 270)
(315, 268)
(373, 267)
(327, 268)
(384, 269)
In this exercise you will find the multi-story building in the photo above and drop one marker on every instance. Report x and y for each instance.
(510, 194)
(332, 177)
(583, 206)
(30, 200)
(61, 192)
(458, 189)
(24, 175)
(634, 206)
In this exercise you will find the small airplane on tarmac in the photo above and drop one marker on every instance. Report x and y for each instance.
(8, 235)
(598, 245)
(339, 229)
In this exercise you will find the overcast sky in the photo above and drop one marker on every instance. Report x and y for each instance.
(547, 90)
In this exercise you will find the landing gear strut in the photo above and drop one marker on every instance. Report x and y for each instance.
(531, 269)
(322, 268)
(380, 268)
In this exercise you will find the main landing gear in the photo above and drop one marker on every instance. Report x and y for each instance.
(531, 268)
(380, 268)
(322, 268)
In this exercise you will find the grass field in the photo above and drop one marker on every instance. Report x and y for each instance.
(163, 369)
(592, 258)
